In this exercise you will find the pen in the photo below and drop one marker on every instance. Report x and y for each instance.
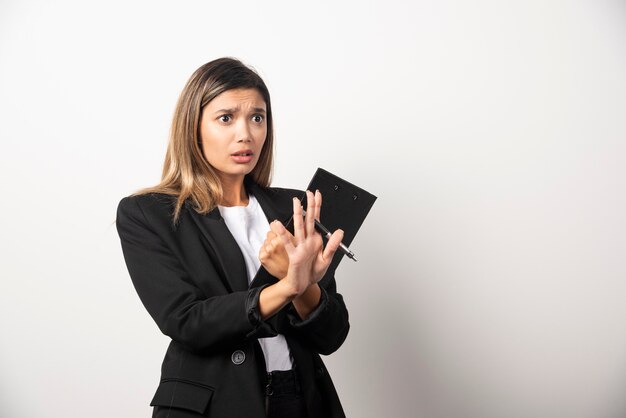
(326, 233)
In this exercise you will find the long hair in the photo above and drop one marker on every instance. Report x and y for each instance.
(186, 172)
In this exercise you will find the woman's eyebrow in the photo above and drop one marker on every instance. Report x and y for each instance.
(236, 109)
(233, 110)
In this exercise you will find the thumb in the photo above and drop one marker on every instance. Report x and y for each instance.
(333, 244)
(283, 234)
(277, 228)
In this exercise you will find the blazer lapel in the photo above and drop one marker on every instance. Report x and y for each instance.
(227, 254)
(275, 205)
(229, 258)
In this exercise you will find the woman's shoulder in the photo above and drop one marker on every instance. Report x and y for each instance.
(148, 199)
(138, 205)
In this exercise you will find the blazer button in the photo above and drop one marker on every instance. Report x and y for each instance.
(238, 357)
(319, 372)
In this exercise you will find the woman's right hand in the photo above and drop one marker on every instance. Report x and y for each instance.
(273, 256)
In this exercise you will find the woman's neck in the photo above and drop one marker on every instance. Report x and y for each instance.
(234, 192)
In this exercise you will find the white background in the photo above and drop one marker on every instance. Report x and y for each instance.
(492, 273)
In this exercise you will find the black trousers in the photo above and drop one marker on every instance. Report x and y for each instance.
(283, 396)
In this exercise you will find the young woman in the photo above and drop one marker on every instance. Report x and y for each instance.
(193, 244)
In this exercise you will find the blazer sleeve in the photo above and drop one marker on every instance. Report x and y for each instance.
(326, 328)
(179, 307)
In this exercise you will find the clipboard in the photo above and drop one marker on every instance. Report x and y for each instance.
(344, 206)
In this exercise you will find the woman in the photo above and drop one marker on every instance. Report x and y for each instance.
(240, 347)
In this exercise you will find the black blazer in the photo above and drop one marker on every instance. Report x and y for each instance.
(192, 280)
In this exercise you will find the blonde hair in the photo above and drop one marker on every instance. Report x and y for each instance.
(186, 172)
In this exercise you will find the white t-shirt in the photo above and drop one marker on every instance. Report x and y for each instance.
(249, 227)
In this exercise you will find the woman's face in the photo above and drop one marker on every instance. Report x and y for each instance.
(233, 129)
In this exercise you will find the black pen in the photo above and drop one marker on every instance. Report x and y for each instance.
(326, 233)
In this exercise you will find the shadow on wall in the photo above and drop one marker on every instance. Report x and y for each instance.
(390, 363)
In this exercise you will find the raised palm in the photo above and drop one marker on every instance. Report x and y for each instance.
(308, 259)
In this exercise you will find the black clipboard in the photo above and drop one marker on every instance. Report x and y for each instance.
(344, 206)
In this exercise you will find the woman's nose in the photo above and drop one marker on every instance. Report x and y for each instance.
(244, 133)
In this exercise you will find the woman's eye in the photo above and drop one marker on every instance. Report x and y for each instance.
(257, 118)
(225, 118)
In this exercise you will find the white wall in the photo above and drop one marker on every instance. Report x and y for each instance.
(491, 280)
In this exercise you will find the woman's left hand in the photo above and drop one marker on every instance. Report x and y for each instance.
(308, 259)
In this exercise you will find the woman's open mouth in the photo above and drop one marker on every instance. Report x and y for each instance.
(242, 157)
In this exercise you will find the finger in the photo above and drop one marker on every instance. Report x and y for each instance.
(332, 245)
(274, 230)
(262, 256)
(309, 219)
(298, 230)
(284, 236)
(270, 234)
(277, 243)
(318, 204)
